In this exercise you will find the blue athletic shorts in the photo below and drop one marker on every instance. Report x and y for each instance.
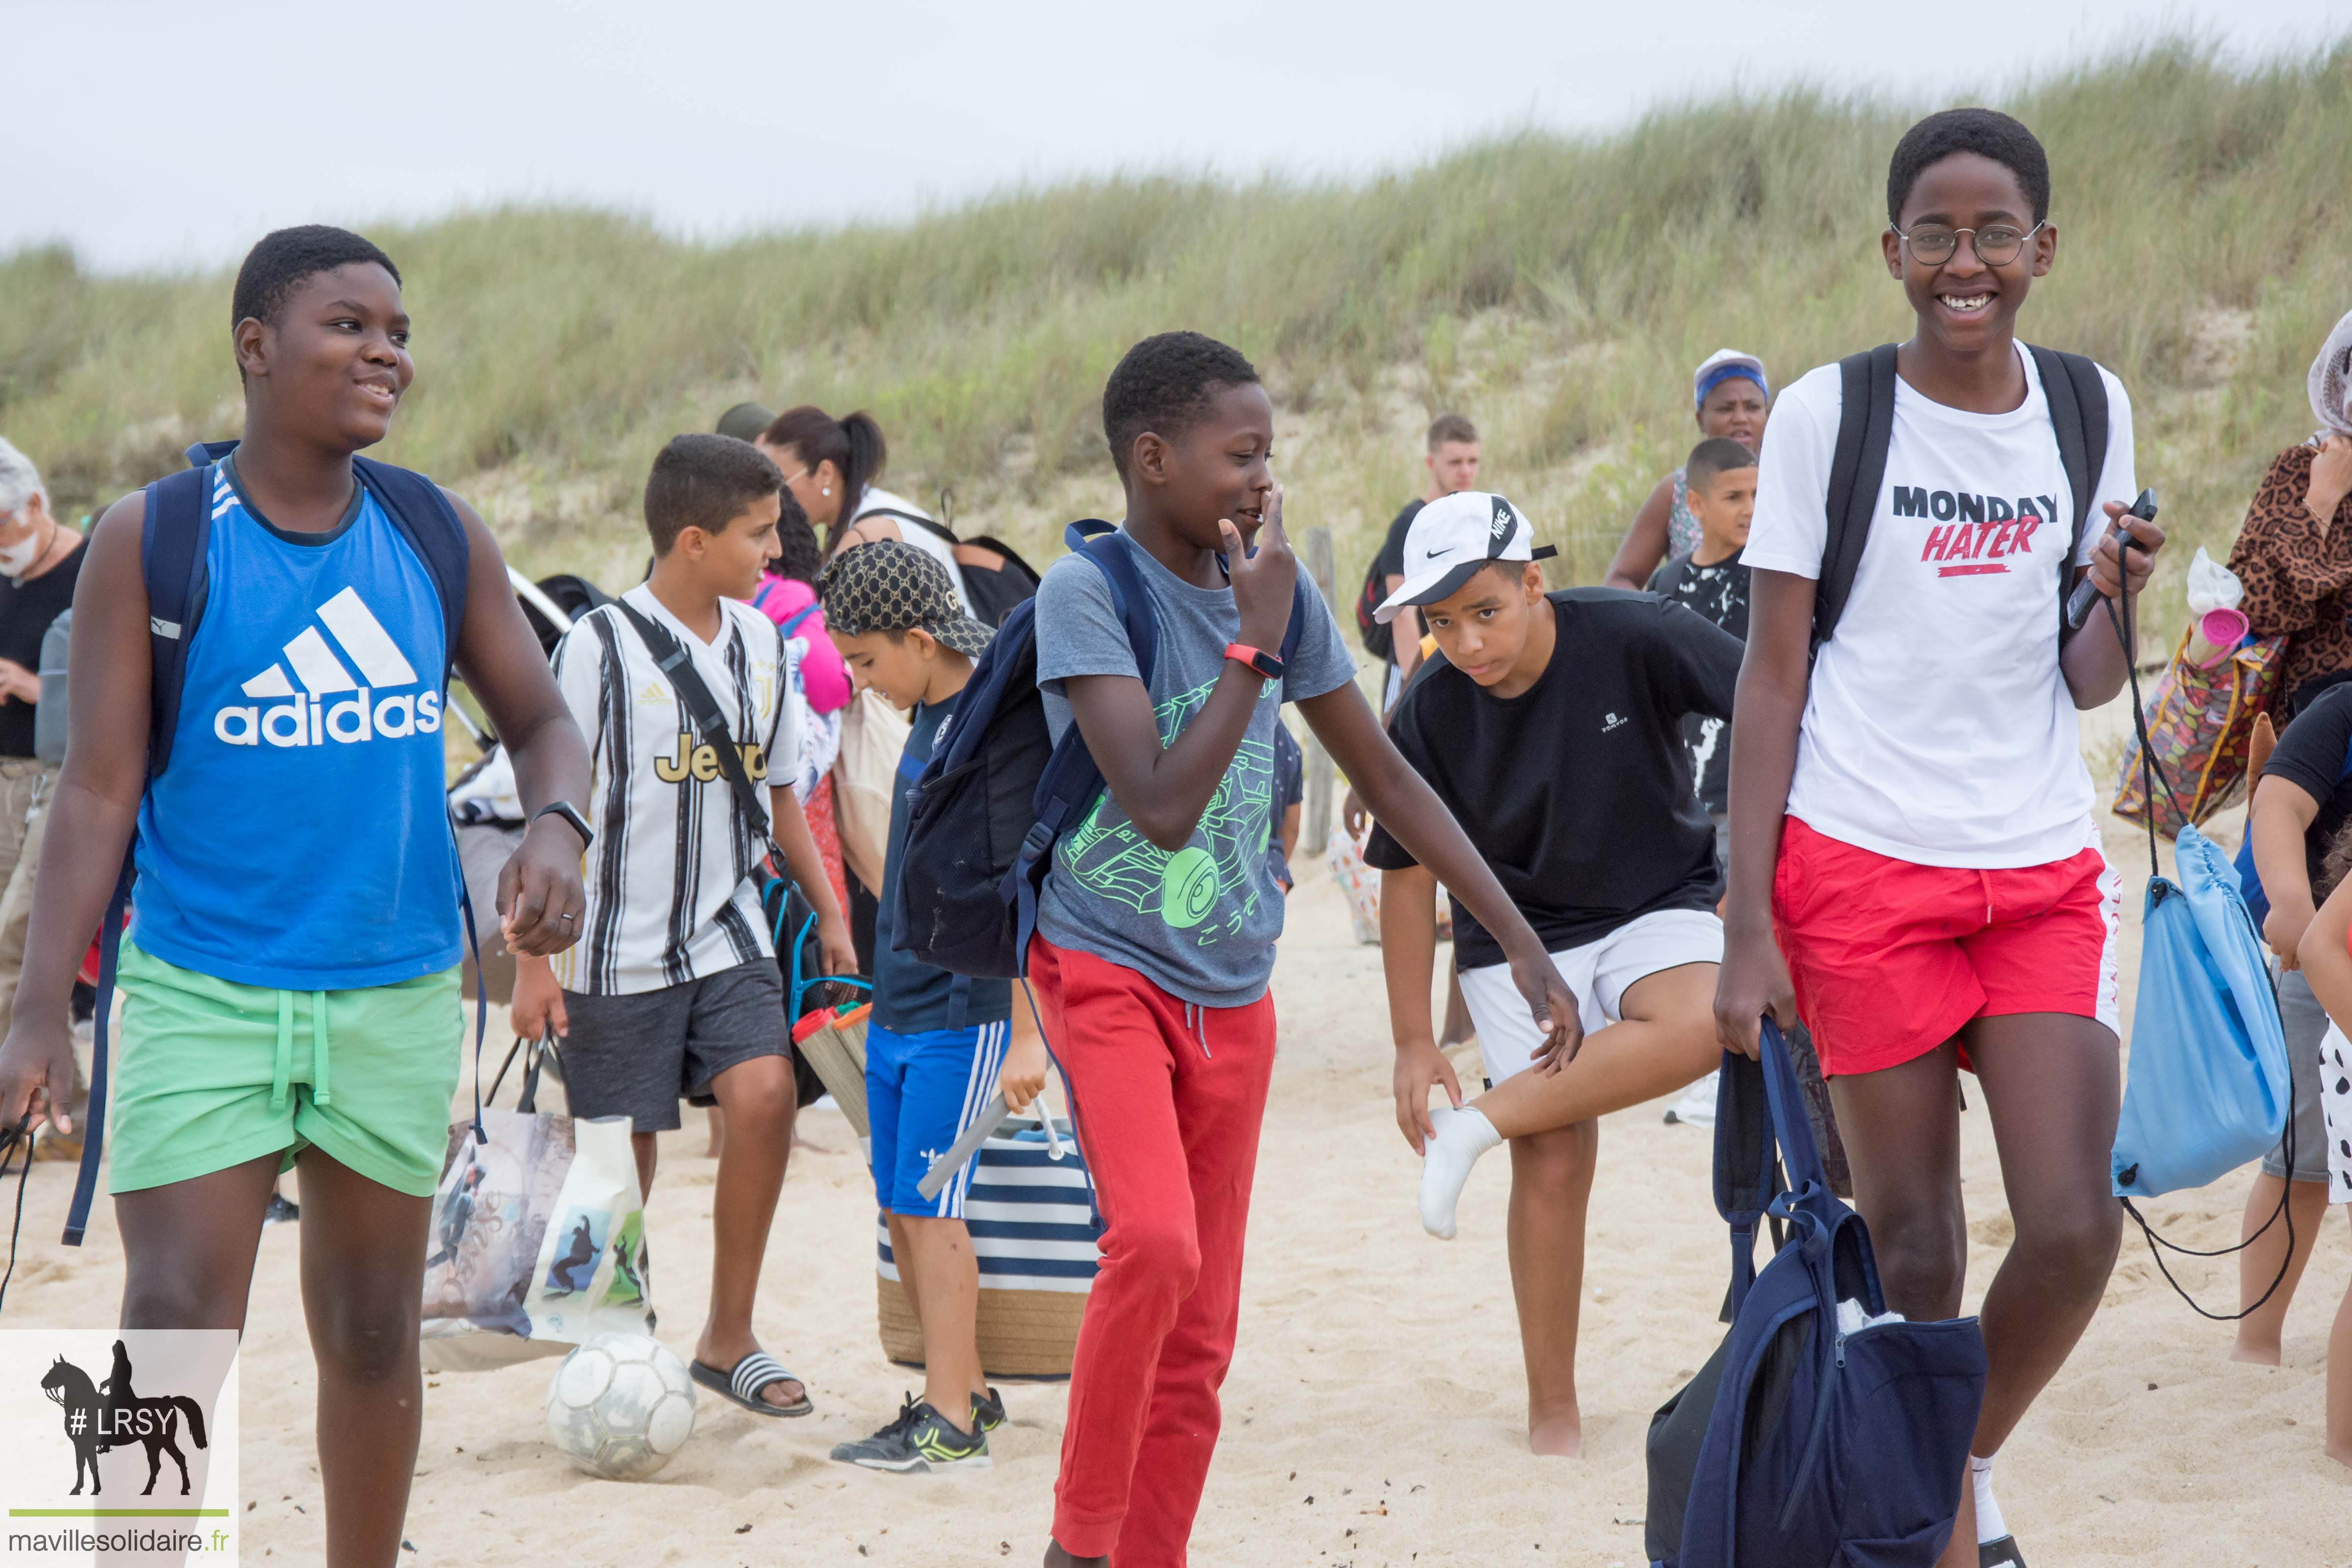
(921, 1092)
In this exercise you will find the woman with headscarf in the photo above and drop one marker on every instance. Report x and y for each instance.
(1729, 397)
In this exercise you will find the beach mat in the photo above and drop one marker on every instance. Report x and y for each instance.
(835, 1045)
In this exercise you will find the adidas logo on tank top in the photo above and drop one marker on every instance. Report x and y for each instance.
(324, 700)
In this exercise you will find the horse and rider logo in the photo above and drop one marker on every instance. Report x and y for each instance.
(111, 1415)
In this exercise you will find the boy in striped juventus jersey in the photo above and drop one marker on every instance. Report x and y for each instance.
(673, 988)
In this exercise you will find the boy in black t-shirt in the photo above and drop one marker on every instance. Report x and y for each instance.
(1710, 581)
(1550, 726)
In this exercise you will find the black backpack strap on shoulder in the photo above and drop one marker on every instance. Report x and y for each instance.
(702, 708)
(435, 532)
(173, 543)
(1857, 473)
(2078, 417)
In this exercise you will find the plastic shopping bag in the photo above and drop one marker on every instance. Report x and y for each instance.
(537, 1237)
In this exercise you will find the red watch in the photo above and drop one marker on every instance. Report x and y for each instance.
(1257, 658)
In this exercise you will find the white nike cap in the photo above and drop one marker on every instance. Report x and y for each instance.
(1450, 539)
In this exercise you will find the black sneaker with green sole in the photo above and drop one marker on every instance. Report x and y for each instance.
(920, 1439)
(988, 1410)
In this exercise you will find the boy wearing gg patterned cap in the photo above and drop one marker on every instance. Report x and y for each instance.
(939, 1044)
(1551, 725)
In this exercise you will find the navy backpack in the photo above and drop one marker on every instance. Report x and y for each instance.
(178, 527)
(984, 815)
(1826, 1448)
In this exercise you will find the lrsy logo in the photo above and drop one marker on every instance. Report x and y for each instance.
(330, 704)
(111, 1415)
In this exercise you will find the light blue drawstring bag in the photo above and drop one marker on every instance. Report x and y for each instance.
(2209, 1089)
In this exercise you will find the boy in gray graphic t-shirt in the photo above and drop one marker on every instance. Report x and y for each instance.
(1156, 928)
(1201, 922)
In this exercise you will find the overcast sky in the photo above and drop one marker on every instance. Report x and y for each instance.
(150, 134)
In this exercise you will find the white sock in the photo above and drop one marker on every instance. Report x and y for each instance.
(1990, 1525)
(1462, 1136)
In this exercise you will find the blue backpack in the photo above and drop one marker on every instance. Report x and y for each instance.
(1820, 1445)
(178, 529)
(984, 816)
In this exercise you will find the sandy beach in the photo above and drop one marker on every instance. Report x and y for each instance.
(1373, 1416)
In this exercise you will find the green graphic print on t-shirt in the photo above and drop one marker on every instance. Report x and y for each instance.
(1206, 888)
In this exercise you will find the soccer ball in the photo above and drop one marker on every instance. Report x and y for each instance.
(620, 1406)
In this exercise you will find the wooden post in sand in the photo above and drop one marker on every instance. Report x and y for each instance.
(1317, 559)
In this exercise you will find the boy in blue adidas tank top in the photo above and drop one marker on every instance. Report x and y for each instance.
(291, 973)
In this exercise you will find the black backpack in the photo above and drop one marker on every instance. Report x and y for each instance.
(992, 590)
(2078, 415)
(984, 814)
(1379, 640)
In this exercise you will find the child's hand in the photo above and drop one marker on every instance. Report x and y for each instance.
(538, 1009)
(540, 897)
(1554, 1007)
(1022, 1078)
(1263, 579)
(1754, 980)
(1418, 1065)
(2113, 567)
(834, 946)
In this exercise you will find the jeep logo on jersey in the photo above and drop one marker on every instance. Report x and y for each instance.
(329, 703)
(690, 761)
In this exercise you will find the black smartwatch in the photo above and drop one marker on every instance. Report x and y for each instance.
(578, 823)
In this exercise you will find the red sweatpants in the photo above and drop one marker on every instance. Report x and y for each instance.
(1167, 1099)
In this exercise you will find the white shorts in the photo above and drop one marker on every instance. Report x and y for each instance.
(1600, 972)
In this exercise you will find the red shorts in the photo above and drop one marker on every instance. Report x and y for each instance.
(1889, 959)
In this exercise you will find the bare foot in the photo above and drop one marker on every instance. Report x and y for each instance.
(1057, 1558)
(2254, 1355)
(783, 1394)
(2341, 1453)
(1558, 1435)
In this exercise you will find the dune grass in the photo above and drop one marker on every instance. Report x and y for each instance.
(1557, 291)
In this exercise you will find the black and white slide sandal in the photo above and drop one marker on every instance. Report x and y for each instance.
(2001, 1553)
(743, 1386)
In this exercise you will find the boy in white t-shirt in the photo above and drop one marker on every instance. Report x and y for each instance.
(1911, 815)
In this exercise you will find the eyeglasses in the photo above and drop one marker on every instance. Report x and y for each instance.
(1933, 245)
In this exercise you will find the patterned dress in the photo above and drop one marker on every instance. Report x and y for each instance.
(1682, 528)
(2298, 577)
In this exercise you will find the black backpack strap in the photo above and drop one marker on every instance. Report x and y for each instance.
(173, 541)
(1857, 472)
(677, 664)
(435, 532)
(2078, 417)
(930, 523)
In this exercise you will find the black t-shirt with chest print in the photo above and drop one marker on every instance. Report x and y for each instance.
(1577, 791)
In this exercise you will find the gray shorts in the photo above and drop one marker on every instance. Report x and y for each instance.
(634, 1055)
(2304, 1021)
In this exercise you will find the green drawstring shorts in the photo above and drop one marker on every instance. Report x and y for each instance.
(212, 1074)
